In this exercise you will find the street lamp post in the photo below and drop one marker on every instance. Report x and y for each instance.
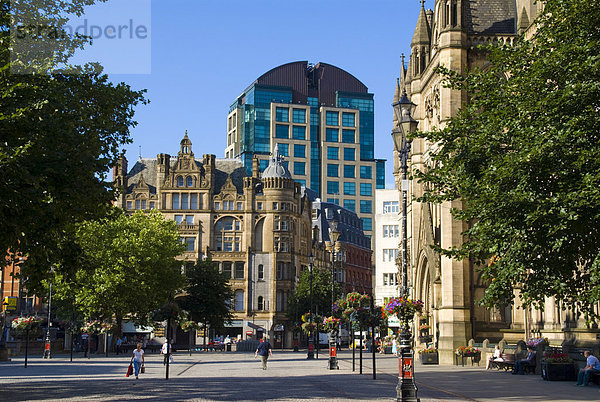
(406, 390)
(47, 346)
(333, 247)
(311, 353)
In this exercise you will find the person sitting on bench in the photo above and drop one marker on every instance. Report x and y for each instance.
(528, 361)
(592, 366)
(494, 358)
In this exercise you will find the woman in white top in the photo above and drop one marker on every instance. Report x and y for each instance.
(494, 358)
(137, 358)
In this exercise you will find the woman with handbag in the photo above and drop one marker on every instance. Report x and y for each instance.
(137, 358)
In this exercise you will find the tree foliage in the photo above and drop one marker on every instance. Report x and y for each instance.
(299, 300)
(523, 158)
(208, 295)
(128, 267)
(60, 132)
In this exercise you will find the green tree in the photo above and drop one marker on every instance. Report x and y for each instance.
(128, 267)
(60, 132)
(523, 159)
(207, 296)
(299, 300)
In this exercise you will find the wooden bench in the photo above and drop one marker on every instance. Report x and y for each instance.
(507, 363)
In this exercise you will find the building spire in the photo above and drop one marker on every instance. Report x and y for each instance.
(421, 35)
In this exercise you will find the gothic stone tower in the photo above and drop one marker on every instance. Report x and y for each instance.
(448, 36)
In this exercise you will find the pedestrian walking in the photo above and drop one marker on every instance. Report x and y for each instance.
(137, 358)
(264, 350)
(165, 353)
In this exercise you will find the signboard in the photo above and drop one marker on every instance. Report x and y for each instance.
(159, 331)
(406, 367)
(10, 303)
(393, 321)
(249, 333)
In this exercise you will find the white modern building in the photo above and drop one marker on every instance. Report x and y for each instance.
(387, 241)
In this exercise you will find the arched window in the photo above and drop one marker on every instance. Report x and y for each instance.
(189, 181)
(261, 272)
(238, 303)
(228, 236)
(260, 305)
(179, 181)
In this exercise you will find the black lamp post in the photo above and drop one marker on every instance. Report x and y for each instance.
(333, 248)
(406, 389)
(47, 343)
(311, 353)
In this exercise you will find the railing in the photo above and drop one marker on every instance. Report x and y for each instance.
(477, 40)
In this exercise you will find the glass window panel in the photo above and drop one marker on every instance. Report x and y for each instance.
(284, 149)
(333, 187)
(367, 224)
(332, 170)
(185, 198)
(349, 154)
(348, 136)
(282, 114)
(349, 171)
(299, 132)
(194, 201)
(299, 151)
(189, 181)
(176, 203)
(366, 189)
(348, 119)
(299, 168)
(178, 219)
(179, 181)
(333, 153)
(299, 115)
(331, 135)
(366, 172)
(349, 188)
(189, 219)
(366, 206)
(350, 204)
(332, 118)
(282, 131)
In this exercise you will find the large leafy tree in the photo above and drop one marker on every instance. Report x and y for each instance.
(299, 301)
(60, 131)
(128, 267)
(523, 158)
(207, 295)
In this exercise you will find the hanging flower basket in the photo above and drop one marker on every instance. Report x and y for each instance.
(402, 307)
(309, 328)
(23, 324)
(188, 325)
(331, 324)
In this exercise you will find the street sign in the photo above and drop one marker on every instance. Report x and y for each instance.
(10, 303)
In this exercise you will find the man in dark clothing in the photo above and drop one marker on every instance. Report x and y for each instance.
(264, 350)
(528, 361)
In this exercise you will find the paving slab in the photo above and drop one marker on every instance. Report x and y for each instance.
(225, 376)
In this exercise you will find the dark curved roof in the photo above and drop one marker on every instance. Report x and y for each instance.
(490, 16)
(320, 81)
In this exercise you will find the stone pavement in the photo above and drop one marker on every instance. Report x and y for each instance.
(290, 377)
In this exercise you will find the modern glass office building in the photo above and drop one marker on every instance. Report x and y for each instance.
(322, 119)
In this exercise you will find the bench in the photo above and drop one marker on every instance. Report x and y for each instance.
(507, 363)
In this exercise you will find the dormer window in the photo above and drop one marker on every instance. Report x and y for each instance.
(179, 181)
(189, 181)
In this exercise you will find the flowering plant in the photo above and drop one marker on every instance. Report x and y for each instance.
(557, 357)
(467, 351)
(388, 340)
(188, 325)
(536, 341)
(22, 324)
(428, 350)
(308, 327)
(424, 327)
(331, 323)
(402, 307)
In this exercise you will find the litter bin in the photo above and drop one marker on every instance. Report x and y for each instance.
(228, 347)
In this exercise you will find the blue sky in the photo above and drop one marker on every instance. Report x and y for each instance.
(204, 53)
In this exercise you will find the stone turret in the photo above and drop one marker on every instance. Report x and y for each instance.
(421, 43)
(120, 179)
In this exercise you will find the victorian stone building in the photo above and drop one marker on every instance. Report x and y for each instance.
(257, 229)
(448, 35)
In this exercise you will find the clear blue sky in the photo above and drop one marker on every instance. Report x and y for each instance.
(204, 53)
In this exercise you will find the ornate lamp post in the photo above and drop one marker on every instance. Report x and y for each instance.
(311, 353)
(333, 247)
(406, 389)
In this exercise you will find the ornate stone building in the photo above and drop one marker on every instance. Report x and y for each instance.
(258, 229)
(448, 35)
